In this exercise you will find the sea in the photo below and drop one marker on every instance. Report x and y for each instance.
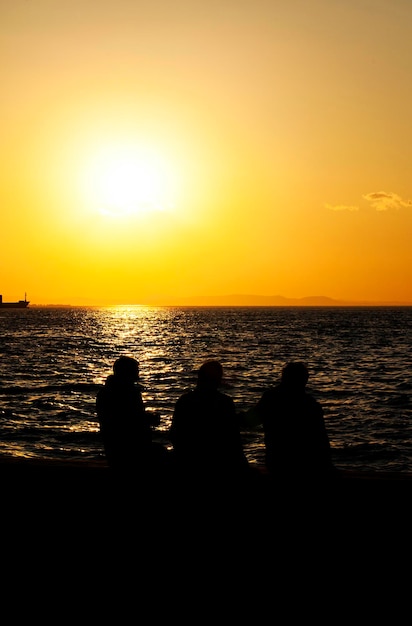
(54, 360)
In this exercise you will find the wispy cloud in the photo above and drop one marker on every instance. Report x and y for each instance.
(341, 207)
(383, 201)
(379, 200)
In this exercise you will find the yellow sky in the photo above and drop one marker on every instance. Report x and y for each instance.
(159, 150)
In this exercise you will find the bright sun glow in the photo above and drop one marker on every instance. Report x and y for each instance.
(124, 181)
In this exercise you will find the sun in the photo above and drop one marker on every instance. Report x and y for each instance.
(129, 180)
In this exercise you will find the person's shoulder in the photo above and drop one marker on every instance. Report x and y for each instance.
(110, 381)
(271, 393)
(186, 396)
(224, 397)
(312, 402)
(109, 388)
(103, 391)
(311, 398)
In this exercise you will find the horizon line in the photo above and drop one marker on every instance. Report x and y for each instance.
(240, 300)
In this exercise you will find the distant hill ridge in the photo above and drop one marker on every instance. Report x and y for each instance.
(256, 300)
(240, 300)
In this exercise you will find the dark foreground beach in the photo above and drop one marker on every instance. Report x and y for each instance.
(71, 531)
(36, 489)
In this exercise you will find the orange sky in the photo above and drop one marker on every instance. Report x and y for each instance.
(159, 150)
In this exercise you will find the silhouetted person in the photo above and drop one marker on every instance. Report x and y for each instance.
(125, 426)
(205, 430)
(296, 442)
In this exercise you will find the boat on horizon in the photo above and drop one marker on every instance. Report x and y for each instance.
(20, 304)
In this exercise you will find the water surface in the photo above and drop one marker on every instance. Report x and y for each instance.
(54, 359)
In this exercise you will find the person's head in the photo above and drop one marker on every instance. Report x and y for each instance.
(295, 375)
(210, 374)
(126, 368)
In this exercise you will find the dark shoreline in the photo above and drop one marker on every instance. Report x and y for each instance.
(95, 477)
(79, 508)
(73, 468)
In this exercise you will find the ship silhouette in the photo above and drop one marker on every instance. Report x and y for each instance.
(20, 304)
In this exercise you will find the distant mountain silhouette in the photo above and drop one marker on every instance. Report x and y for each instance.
(256, 300)
(239, 300)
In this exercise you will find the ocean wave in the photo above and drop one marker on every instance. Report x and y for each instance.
(40, 389)
(54, 361)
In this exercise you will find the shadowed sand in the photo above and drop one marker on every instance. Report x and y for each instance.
(78, 515)
(40, 486)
